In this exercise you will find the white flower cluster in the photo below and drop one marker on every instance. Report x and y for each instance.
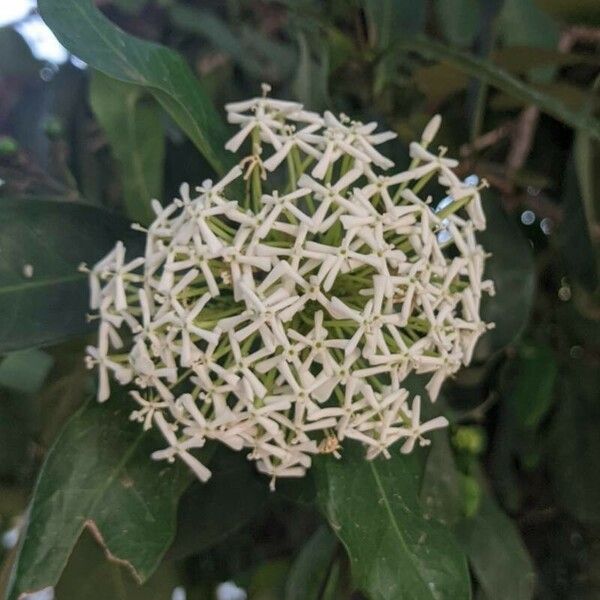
(285, 321)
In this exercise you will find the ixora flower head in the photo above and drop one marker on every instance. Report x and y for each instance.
(280, 309)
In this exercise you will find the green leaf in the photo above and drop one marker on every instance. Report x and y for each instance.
(440, 81)
(492, 75)
(497, 555)
(441, 492)
(532, 396)
(268, 581)
(309, 573)
(88, 34)
(131, 7)
(16, 59)
(91, 575)
(521, 22)
(280, 57)
(25, 371)
(99, 475)
(210, 512)
(574, 444)
(332, 590)
(573, 239)
(386, 18)
(586, 154)
(458, 20)
(511, 267)
(311, 82)
(131, 121)
(206, 24)
(583, 12)
(54, 238)
(522, 58)
(395, 551)
(18, 415)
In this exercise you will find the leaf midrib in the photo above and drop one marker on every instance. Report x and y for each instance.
(28, 285)
(396, 527)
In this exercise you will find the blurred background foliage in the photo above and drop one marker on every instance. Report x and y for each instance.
(518, 477)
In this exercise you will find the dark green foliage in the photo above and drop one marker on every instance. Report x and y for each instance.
(52, 237)
(98, 476)
(506, 504)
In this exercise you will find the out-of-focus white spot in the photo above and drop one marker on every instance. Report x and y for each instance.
(179, 593)
(77, 62)
(229, 591)
(45, 594)
(36, 33)
(564, 292)
(42, 41)
(546, 225)
(527, 217)
(14, 10)
(10, 538)
(443, 203)
(443, 235)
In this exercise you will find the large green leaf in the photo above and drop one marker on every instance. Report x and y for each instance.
(441, 493)
(586, 154)
(395, 551)
(521, 22)
(268, 580)
(580, 12)
(458, 20)
(131, 121)
(573, 237)
(88, 34)
(99, 475)
(310, 85)
(210, 512)
(309, 573)
(489, 73)
(532, 396)
(17, 423)
(497, 555)
(488, 537)
(90, 575)
(53, 237)
(386, 18)
(208, 25)
(574, 458)
(520, 59)
(511, 267)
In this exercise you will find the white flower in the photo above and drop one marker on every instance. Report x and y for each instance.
(148, 408)
(417, 429)
(355, 140)
(99, 357)
(180, 449)
(286, 320)
(290, 138)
